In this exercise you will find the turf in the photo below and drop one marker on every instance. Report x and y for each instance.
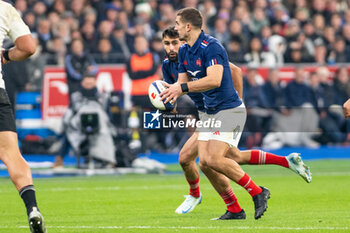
(146, 203)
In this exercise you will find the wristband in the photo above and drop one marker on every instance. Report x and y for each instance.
(184, 87)
(5, 54)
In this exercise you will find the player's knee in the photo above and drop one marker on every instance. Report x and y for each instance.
(184, 158)
(234, 156)
(214, 164)
(207, 163)
(9, 157)
(203, 164)
(184, 163)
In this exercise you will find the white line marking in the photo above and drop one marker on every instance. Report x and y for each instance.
(113, 188)
(186, 227)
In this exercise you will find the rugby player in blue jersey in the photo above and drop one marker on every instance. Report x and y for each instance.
(204, 60)
(189, 152)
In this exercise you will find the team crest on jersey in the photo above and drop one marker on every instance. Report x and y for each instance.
(198, 62)
(185, 62)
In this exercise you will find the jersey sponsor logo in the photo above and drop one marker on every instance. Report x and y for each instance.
(193, 73)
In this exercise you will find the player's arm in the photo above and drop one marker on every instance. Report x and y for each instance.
(237, 79)
(211, 81)
(346, 109)
(19, 33)
(214, 70)
(182, 78)
(214, 56)
(24, 47)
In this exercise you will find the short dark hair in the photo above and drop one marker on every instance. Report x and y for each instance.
(170, 32)
(192, 16)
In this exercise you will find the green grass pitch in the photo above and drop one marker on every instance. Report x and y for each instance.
(146, 203)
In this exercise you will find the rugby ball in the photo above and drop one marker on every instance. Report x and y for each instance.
(154, 91)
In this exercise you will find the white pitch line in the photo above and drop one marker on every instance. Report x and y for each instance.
(188, 227)
(112, 188)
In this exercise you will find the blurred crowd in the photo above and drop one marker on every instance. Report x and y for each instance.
(306, 111)
(80, 34)
(261, 32)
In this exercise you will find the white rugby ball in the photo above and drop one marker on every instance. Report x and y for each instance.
(154, 91)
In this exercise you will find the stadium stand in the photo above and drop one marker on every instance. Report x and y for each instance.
(259, 34)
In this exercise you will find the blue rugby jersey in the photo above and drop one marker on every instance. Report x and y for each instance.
(170, 74)
(195, 60)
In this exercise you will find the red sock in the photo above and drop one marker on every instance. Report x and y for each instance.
(247, 183)
(262, 157)
(194, 187)
(231, 201)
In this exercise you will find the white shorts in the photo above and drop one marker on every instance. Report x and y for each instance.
(231, 128)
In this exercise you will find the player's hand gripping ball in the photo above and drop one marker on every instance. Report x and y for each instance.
(154, 91)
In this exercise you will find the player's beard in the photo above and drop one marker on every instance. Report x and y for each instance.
(172, 56)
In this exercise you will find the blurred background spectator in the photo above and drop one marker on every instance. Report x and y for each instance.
(143, 70)
(302, 31)
(257, 107)
(77, 63)
(35, 68)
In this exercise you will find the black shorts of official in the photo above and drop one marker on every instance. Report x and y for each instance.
(7, 119)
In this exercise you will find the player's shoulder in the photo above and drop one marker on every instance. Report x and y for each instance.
(9, 12)
(6, 7)
(5, 4)
(183, 48)
(185, 45)
(210, 43)
(166, 61)
(166, 64)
